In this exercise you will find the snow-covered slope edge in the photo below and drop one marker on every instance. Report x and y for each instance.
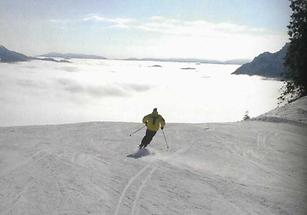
(295, 112)
(249, 167)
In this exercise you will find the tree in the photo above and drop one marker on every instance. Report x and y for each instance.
(296, 58)
(246, 116)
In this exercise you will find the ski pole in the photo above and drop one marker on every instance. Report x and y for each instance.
(137, 130)
(165, 139)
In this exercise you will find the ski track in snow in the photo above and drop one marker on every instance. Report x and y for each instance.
(32, 160)
(139, 173)
(19, 196)
(131, 180)
(133, 210)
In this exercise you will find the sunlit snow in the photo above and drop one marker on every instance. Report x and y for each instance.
(248, 167)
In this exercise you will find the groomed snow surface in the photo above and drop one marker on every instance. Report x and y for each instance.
(248, 167)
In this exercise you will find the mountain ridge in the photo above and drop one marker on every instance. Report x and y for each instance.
(72, 55)
(191, 60)
(266, 64)
(8, 56)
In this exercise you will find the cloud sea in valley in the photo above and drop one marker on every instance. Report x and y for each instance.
(42, 92)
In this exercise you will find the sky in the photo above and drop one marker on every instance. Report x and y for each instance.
(204, 29)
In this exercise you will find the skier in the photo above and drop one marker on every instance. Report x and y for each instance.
(153, 122)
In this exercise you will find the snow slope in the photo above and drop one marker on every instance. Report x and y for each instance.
(249, 167)
(295, 112)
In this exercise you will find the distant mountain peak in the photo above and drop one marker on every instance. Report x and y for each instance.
(2, 47)
(72, 55)
(8, 56)
(266, 64)
(191, 60)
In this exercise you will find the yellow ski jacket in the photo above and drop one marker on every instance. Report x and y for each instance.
(154, 121)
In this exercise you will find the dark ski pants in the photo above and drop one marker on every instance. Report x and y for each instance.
(147, 138)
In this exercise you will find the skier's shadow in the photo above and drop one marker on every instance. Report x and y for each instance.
(140, 153)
